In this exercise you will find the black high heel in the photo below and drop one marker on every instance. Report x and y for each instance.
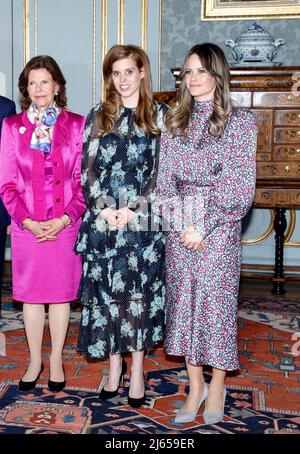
(137, 402)
(28, 385)
(57, 386)
(110, 394)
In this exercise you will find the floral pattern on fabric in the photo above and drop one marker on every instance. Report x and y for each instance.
(202, 287)
(44, 121)
(122, 287)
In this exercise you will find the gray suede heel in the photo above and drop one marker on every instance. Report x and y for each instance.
(214, 417)
(189, 416)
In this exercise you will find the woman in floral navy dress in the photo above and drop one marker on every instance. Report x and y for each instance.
(208, 162)
(122, 287)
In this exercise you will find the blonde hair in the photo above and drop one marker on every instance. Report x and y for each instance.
(214, 61)
(110, 109)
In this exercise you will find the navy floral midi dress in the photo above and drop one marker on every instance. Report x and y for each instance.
(122, 287)
(202, 287)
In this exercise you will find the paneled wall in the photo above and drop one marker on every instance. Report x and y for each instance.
(6, 54)
(77, 33)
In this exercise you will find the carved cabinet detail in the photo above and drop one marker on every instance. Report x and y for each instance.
(276, 106)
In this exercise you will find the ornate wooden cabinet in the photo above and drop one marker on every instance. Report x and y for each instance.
(273, 95)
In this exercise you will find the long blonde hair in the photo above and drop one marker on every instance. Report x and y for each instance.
(110, 109)
(214, 61)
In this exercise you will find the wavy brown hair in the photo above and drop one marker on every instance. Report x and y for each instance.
(48, 63)
(214, 61)
(145, 113)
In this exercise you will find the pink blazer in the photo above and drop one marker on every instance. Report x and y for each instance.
(22, 169)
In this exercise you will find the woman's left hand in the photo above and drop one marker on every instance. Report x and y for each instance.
(54, 226)
(124, 215)
(192, 240)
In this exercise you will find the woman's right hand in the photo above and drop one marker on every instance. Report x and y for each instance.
(111, 217)
(36, 228)
(192, 240)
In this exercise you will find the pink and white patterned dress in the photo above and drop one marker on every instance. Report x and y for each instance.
(202, 287)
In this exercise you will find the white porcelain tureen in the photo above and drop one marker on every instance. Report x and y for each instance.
(254, 45)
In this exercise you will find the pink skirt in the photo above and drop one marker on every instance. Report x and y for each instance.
(46, 272)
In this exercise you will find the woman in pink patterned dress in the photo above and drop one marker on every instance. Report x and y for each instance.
(207, 172)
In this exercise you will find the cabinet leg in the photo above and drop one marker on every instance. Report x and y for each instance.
(279, 227)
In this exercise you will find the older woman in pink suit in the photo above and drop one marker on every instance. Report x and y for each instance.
(40, 161)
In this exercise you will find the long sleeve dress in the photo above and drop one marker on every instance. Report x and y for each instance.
(122, 286)
(218, 173)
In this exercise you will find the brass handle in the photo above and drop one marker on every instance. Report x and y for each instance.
(292, 116)
(290, 97)
(292, 151)
(287, 169)
(299, 115)
(292, 133)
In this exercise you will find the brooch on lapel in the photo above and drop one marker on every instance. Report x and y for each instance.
(22, 129)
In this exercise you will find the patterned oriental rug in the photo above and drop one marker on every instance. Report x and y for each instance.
(263, 397)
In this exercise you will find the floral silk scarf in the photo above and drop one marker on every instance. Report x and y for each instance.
(44, 121)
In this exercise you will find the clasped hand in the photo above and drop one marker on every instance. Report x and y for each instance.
(44, 230)
(192, 240)
(117, 219)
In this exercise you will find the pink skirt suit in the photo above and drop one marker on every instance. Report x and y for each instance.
(43, 186)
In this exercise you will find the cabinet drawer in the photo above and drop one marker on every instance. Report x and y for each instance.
(263, 157)
(278, 170)
(275, 99)
(287, 135)
(241, 98)
(287, 117)
(287, 152)
(265, 197)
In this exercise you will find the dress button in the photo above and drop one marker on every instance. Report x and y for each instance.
(56, 164)
(57, 182)
(57, 200)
